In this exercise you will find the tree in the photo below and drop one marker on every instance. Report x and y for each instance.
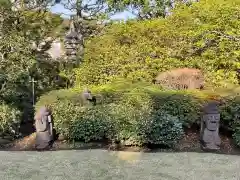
(143, 9)
(19, 60)
(147, 9)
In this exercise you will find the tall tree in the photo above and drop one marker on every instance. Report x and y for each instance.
(146, 9)
(19, 28)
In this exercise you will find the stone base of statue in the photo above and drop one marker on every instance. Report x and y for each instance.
(210, 140)
(43, 141)
(209, 135)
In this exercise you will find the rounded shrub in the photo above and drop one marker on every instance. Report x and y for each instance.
(163, 129)
(82, 123)
(10, 119)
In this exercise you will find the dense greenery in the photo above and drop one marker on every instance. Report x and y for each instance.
(135, 113)
(119, 67)
(9, 120)
(231, 116)
(20, 61)
(204, 35)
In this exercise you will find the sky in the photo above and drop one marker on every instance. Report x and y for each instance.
(58, 8)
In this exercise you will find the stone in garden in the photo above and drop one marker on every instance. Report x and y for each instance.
(44, 129)
(210, 126)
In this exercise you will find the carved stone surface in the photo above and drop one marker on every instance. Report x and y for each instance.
(44, 129)
(210, 127)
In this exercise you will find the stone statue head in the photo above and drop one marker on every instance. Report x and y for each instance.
(211, 115)
(212, 121)
(43, 111)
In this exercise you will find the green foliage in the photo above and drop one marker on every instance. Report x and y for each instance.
(230, 117)
(125, 111)
(186, 106)
(204, 35)
(230, 112)
(143, 9)
(163, 129)
(18, 30)
(9, 120)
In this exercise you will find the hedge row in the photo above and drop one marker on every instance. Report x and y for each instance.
(135, 113)
(124, 112)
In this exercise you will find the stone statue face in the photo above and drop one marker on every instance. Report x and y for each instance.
(43, 111)
(212, 121)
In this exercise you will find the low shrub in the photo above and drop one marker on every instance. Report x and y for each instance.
(80, 122)
(185, 105)
(10, 119)
(162, 129)
(230, 112)
(230, 117)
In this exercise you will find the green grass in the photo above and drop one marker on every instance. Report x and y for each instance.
(104, 165)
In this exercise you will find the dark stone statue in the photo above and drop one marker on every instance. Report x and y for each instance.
(44, 129)
(210, 127)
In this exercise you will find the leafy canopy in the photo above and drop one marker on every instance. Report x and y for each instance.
(204, 35)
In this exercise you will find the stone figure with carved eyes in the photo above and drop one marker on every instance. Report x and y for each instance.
(210, 127)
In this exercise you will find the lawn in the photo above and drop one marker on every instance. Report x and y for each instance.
(106, 165)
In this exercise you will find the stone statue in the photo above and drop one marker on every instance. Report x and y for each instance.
(44, 129)
(210, 127)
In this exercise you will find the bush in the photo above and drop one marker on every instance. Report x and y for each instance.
(134, 113)
(10, 119)
(230, 117)
(185, 105)
(81, 123)
(203, 36)
(164, 129)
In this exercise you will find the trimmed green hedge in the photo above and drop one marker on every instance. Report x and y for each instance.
(124, 112)
(10, 119)
(135, 113)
